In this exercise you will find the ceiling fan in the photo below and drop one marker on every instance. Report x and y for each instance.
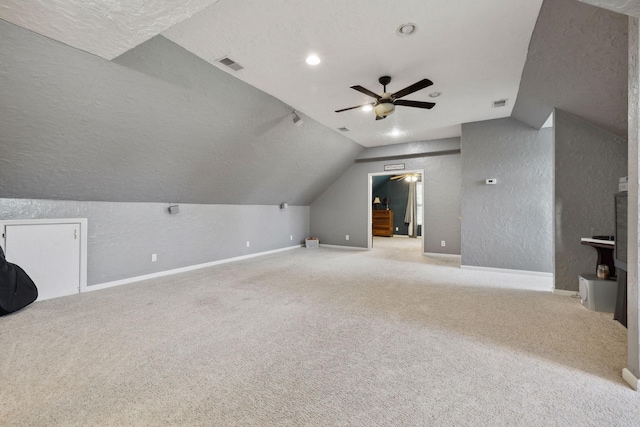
(385, 104)
(407, 177)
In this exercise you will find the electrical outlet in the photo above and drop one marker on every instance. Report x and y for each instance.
(396, 228)
(291, 237)
(154, 257)
(248, 243)
(346, 237)
(443, 243)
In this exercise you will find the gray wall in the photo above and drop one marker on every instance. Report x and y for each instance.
(588, 164)
(508, 225)
(122, 236)
(633, 318)
(161, 125)
(342, 209)
(577, 61)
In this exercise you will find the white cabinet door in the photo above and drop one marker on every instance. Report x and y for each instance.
(49, 254)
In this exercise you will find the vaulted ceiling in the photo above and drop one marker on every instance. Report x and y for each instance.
(473, 51)
(126, 101)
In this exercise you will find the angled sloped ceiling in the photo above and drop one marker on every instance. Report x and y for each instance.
(577, 62)
(157, 125)
(627, 7)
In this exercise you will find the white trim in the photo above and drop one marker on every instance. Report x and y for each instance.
(437, 255)
(545, 284)
(508, 271)
(353, 248)
(182, 269)
(84, 232)
(565, 293)
(630, 378)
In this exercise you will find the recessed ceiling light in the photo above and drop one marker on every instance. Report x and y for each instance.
(367, 108)
(435, 94)
(406, 29)
(396, 133)
(313, 60)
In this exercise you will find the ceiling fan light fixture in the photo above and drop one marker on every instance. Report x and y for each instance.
(384, 109)
(406, 29)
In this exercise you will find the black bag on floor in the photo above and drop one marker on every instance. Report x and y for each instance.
(17, 290)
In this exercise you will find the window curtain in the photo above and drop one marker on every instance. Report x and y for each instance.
(411, 214)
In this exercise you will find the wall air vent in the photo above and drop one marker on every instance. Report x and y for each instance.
(343, 129)
(231, 64)
(499, 103)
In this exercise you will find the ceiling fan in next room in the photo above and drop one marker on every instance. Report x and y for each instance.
(407, 177)
(385, 104)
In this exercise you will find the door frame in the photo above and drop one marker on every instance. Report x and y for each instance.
(370, 200)
(81, 222)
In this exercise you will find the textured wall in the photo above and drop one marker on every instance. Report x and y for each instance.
(168, 127)
(342, 208)
(589, 161)
(122, 236)
(633, 304)
(577, 62)
(508, 225)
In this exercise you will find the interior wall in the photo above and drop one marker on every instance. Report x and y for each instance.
(343, 208)
(507, 225)
(158, 124)
(122, 236)
(633, 303)
(589, 161)
(577, 61)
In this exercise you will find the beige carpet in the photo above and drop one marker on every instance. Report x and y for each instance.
(318, 337)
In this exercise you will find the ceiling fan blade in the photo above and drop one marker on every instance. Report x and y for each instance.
(413, 88)
(417, 104)
(351, 108)
(366, 91)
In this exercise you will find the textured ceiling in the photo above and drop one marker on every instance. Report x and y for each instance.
(106, 28)
(473, 51)
(627, 7)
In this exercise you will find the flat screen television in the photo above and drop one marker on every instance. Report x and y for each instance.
(620, 248)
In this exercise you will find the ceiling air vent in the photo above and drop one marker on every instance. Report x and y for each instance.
(231, 64)
(343, 129)
(499, 103)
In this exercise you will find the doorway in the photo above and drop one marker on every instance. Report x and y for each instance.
(388, 191)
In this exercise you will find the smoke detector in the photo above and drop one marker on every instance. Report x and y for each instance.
(406, 29)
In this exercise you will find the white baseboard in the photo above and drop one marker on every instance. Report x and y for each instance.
(437, 255)
(353, 248)
(545, 284)
(630, 378)
(182, 269)
(508, 271)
